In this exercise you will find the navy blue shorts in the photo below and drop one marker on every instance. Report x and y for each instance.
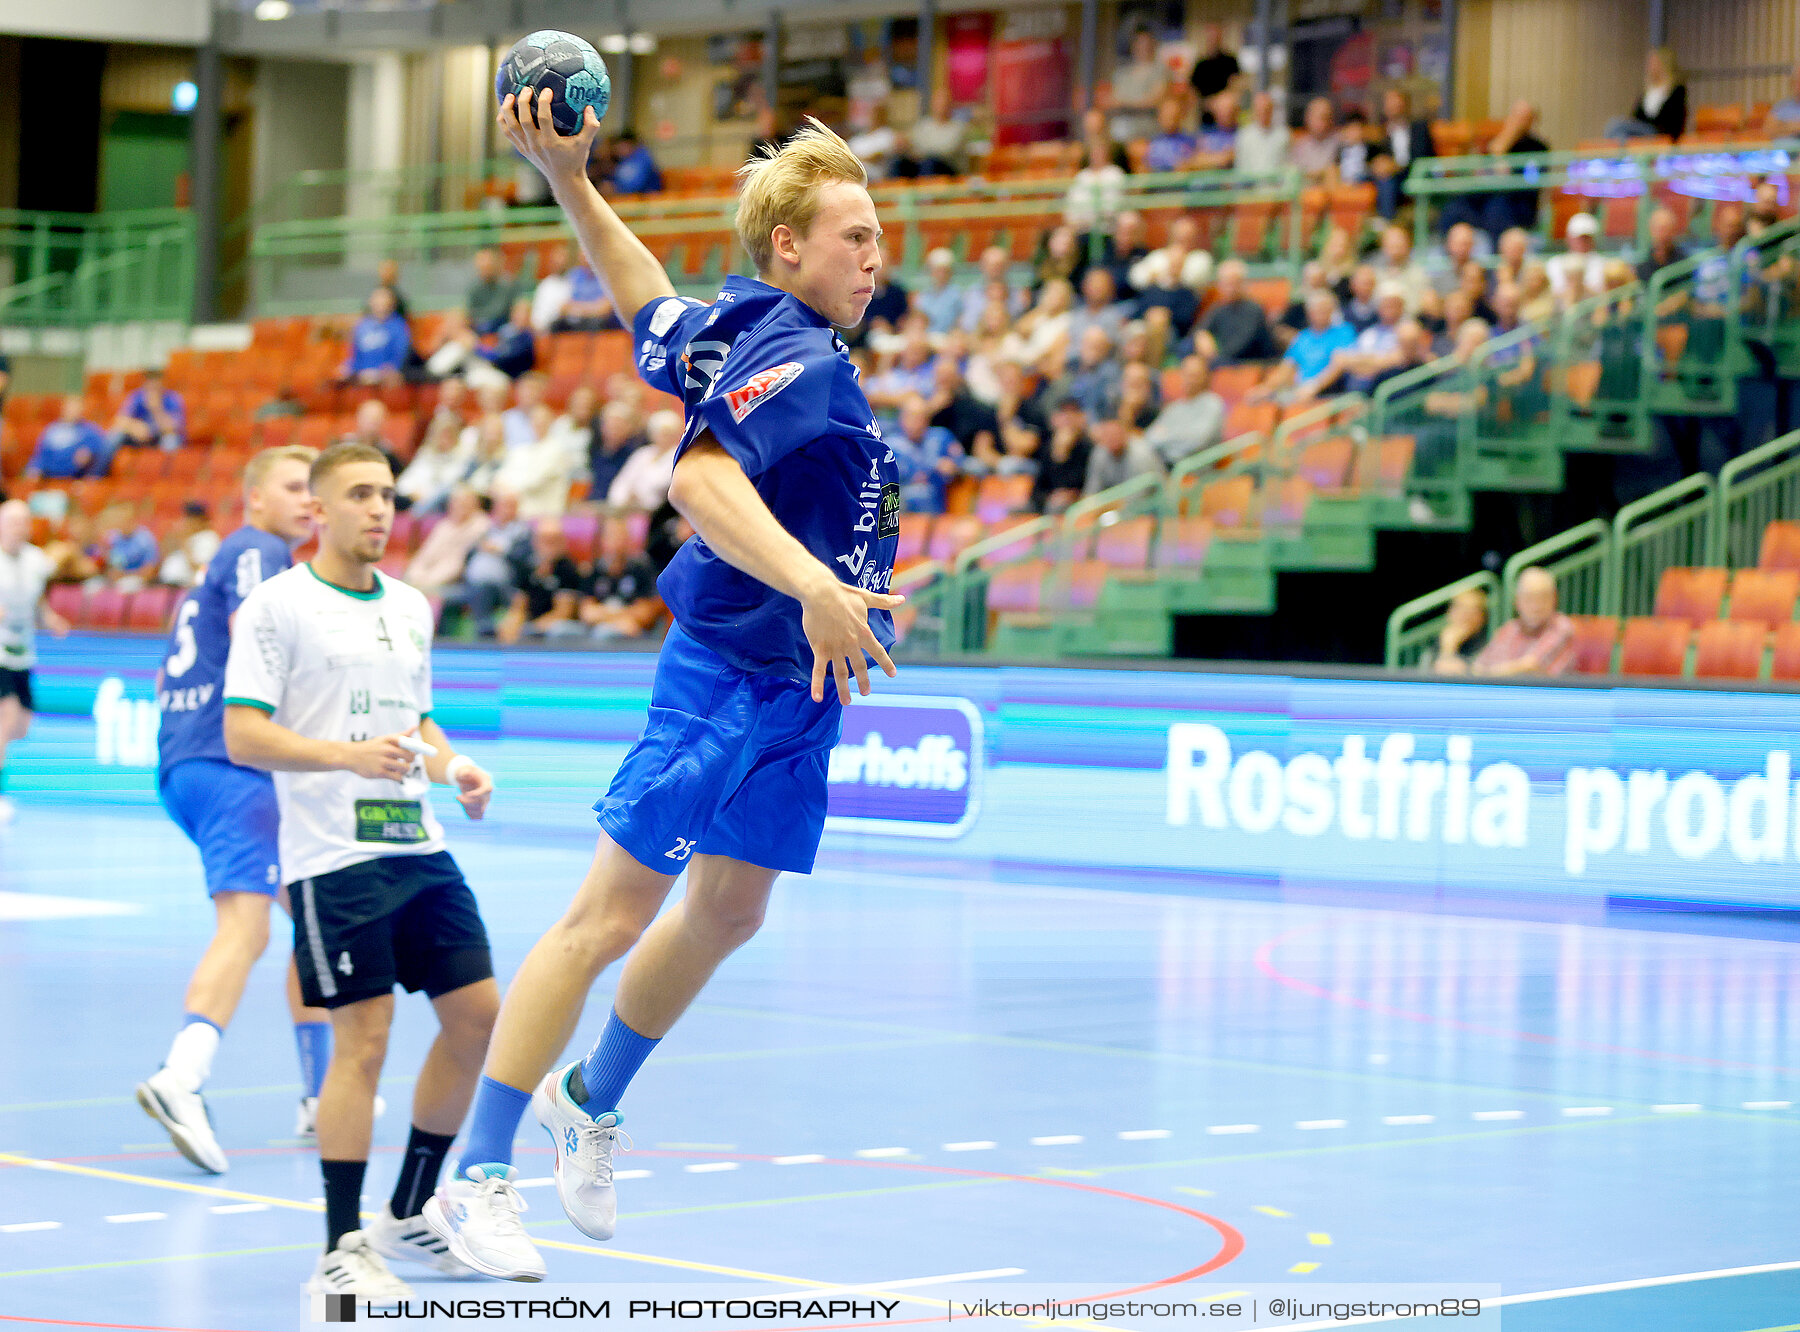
(231, 815)
(729, 764)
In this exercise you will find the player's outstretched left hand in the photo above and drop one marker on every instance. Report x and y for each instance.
(475, 787)
(561, 158)
(836, 623)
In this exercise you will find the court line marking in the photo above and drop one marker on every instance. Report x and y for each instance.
(909, 1282)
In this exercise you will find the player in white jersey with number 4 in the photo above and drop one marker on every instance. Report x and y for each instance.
(24, 573)
(328, 686)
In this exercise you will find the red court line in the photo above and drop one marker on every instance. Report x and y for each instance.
(132, 1327)
(1266, 965)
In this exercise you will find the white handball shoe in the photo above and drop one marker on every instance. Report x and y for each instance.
(183, 1114)
(354, 1268)
(477, 1217)
(410, 1240)
(306, 1118)
(584, 1155)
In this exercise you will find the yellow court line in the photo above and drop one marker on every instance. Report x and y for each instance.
(178, 1185)
(1785, 1327)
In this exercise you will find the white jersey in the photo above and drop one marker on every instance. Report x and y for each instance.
(331, 664)
(23, 578)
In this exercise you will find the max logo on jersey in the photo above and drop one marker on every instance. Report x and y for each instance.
(761, 387)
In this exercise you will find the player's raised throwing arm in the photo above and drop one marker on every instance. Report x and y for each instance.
(632, 274)
(713, 493)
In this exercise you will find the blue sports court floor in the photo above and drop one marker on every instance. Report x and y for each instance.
(910, 1076)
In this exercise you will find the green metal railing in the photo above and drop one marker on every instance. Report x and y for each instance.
(1505, 437)
(1755, 489)
(1578, 559)
(1413, 628)
(77, 269)
(1594, 364)
(1671, 528)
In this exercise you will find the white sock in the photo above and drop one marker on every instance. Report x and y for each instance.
(191, 1054)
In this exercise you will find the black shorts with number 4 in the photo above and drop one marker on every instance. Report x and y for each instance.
(432, 940)
(16, 684)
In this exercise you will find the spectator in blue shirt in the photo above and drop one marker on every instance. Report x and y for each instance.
(1309, 355)
(380, 342)
(634, 170)
(928, 457)
(69, 447)
(152, 415)
(938, 299)
(515, 348)
(1784, 116)
(1171, 149)
(132, 551)
(589, 307)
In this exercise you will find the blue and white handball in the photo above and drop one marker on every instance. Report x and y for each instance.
(560, 61)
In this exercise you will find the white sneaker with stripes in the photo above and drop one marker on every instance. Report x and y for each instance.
(412, 1241)
(354, 1268)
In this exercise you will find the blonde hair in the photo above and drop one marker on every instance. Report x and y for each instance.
(780, 187)
(256, 471)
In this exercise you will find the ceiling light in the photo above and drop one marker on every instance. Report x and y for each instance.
(614, 43)
(642, 43)
(273, 10)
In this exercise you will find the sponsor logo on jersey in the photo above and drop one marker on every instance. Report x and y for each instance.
(760, 387)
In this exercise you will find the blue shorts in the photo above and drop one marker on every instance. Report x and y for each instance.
(729, 764)
(231, 815)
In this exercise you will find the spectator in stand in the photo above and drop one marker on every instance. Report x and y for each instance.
(868, 88)
(1140, 396)
(1100, 308)
(546, 589)
(192, 545)
(1537, 302)
(1181, 303)
(1412, 351)
(1511, 254)
(1093, 381)
(1060, 257)
(935, 141)
(1665, 245)
(1313, 151)
(1261, 146)
(541, 470)
(1538, 640)
(438, 564)
(969, 420)
(1395, 264)
(1123, 250)
(1358, 304)
(1497, 212)
(1191, 422)
(1172, 147)
(1216, 69)
(1063, 461)
(487, 580)
(1023, 397)
(1784, 116)
(643, 482)
(370, 426)
(878, 146)
(1139, 87)
(914, 370)
(153, 416)
(1444, 269)
(380, 343)
(589, 308)
(1042, 330)
(387, 274)
(1464, 635)
(889, 303)
(616, 439)
(1238, 325)
(621, 599)
(1474, 289)
(515, 344)
(1118, 455)
(1375, 351)
(69, 447)
(551, 297)
(1217, 149)
(928, 457)
(1662, 108)
(1098, 190)
(489, 457)
(991, 269)
(1404, 139)
(437, 468)
(1581, 260)
(940, 298)
(529, 394)
(492, 293)
(456, 358)
(1309, 355)
(1183, 261)
(1293, 319)
(578, 422)
(1355, 144)
(634, 170)
(452, 405)
(133, 553)
(1021, 446)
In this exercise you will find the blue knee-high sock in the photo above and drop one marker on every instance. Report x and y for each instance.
(610, 1066)
(492, 1122)
(313, 1041)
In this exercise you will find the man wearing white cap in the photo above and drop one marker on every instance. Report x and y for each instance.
(1582, 262)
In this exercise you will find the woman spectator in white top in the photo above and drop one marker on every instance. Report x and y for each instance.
(643, 482)
(442, 460)
(1663, 107)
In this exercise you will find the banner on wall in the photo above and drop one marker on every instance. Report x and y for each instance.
(968, 38)
(1418, 788)
(1033, 78)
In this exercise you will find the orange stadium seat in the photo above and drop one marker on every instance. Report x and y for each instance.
(1654, 646)
(1182, 543)
(1595, 638)
(1018, 587)
(1327, 463)
(1126, 543)
(1019, 546)
(952, 535)
(1000, 496)
(1786, 662)
(1730, 650)
(1228, 502)
(1690, 594)
(915, 532)
(1764, 596)
(1780, 546)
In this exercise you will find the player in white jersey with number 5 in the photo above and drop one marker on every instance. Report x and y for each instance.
(24, 573)
(328, 686)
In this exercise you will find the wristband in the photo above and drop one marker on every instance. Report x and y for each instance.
(456, 765)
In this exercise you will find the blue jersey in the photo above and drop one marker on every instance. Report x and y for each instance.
(191, 684)
(765, 376)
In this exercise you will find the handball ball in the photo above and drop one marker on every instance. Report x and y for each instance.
(560, 61)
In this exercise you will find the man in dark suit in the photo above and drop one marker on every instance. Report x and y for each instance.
(1404, 139)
